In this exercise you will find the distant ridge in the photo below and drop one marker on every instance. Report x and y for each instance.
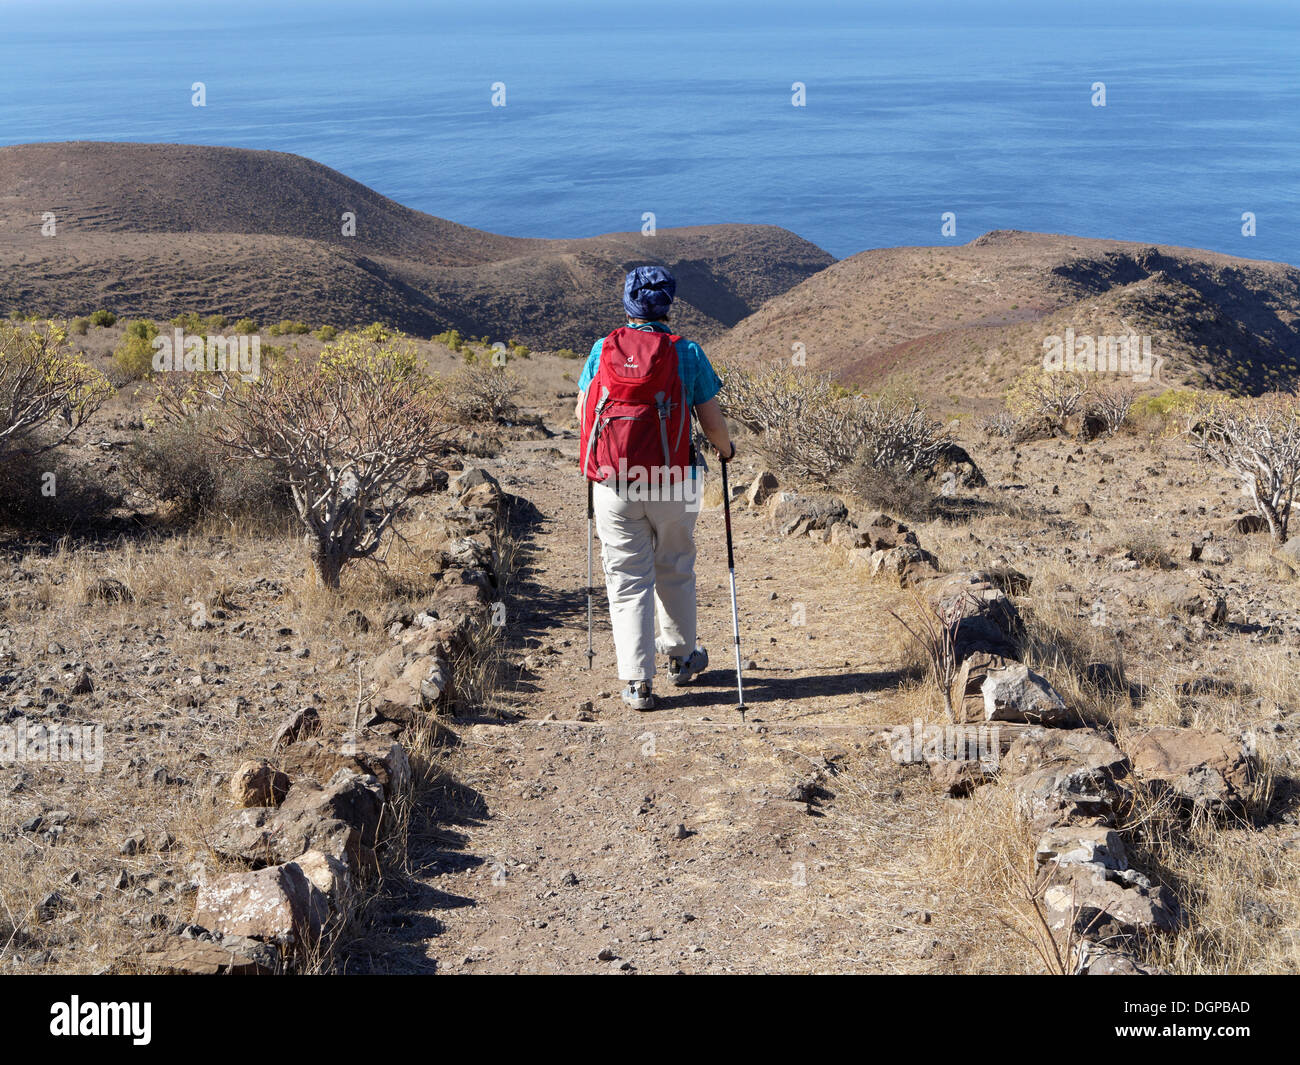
(157, 229)
(961, 322)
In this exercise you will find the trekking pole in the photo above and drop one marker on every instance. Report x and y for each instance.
(591, 511)
(731, 569)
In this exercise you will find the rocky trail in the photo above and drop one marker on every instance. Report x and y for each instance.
(576, 835)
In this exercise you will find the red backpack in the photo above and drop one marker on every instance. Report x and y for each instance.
(635, 422)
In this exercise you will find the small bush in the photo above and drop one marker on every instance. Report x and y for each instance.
(1002, 424)
(78, 498)
(179, 465)
(80, 326)
(1052, 397)
(189, 321)
(246, 326)
(288, 327)
(484, 395)
(1147, 551)
(1169, 404)
(326, 333)
(816, 429)
(450, 339)
(1112, 405)
(569, 353)
(133, 356)
(103, 319)
(906, 495)
(46, 392)
(378, 333)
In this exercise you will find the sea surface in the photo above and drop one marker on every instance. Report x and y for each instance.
(684, 110)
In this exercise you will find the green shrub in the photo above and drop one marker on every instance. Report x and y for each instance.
(46, 391)
(288, 327)
(451, 339)
(326, 333)
(378, 333)
(1172, 401)
(246, 326)
(189, 321)
(142, 328)
(80, 326)
(1161, 415)
(103, 319)
(216, 323)
(568, 353)
(133, 356)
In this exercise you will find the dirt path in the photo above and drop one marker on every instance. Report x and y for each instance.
(576, 840)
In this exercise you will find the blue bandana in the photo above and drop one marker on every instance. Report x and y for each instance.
(648, 292)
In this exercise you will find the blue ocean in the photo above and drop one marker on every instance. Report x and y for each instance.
(907, 111)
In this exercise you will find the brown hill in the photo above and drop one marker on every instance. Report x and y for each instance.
(156, 229)
(961, 322)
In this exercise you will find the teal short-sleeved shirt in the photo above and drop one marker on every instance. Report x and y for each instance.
(699, 380)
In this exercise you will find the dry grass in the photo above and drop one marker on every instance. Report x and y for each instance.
(248, 686)
(975, 847)
(1238, 887)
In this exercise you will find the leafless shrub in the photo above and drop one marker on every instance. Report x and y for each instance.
(1147, 550)
(488, 394)
(897, 493)
(1057, 952)
(1258, 440)
(1112, 405)
(346, 432)
(934, 631)
(1038, 395)
(176, 464)
(815, 428)
(1002, 424)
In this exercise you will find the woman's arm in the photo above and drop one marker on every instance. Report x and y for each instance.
(715, 428)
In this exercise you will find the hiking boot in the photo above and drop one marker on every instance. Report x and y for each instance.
(637, 695)
(684, 670)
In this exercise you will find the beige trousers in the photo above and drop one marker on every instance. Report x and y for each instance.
(648, 551)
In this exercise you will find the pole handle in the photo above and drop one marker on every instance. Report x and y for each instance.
(726, 514)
